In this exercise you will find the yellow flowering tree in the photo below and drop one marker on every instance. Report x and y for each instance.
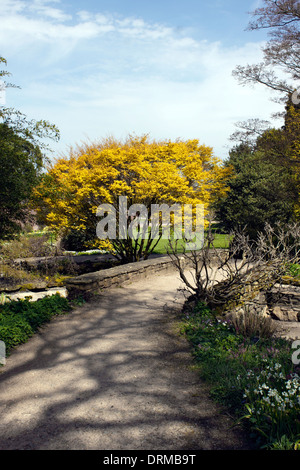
(145, 172)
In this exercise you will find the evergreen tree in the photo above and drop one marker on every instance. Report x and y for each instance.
(259, 192)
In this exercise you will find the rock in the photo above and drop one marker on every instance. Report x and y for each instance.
(251, 308)
(284, 314)
(34, 286)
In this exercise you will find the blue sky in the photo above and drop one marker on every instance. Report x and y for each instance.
(119, 67)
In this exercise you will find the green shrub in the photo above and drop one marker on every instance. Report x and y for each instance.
(77, 240)
(14, 330)
(20, 319)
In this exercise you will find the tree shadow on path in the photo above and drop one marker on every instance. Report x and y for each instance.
(112, 375)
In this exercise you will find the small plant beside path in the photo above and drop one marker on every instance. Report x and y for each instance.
(20, 319)
(251, 373)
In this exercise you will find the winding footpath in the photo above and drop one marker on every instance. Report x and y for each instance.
(113, 374)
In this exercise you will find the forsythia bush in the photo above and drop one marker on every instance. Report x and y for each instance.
(145, 171)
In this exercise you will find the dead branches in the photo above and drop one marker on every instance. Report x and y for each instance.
(225, 278)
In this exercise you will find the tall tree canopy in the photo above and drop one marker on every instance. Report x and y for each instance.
(260, 192)
(273, 149)
(21, 162)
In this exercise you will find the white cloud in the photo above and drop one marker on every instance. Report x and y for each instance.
(37, 19)
(42, 8)
(9, 7)
(98, 74)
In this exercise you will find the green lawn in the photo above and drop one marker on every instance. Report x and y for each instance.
(221, 241)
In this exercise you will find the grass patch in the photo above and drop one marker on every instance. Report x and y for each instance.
(251, 374)
(221, 241)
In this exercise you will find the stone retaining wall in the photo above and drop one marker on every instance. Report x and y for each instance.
(93, 283)
(64, 264)
(281, 303)
(284, 303)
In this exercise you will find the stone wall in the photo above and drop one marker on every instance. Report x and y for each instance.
(93, 283)
(281, 303)
(284, 303)
(80, 264)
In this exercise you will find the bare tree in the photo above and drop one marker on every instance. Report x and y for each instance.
(248, 131)
(279, 70)
(224, 278)
(282, 19)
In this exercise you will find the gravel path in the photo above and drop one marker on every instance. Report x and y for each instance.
(112, 375)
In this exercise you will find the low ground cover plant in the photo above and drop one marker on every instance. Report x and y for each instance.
(293, 274)
(294, 270)
(251, 373)
(20, 319)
